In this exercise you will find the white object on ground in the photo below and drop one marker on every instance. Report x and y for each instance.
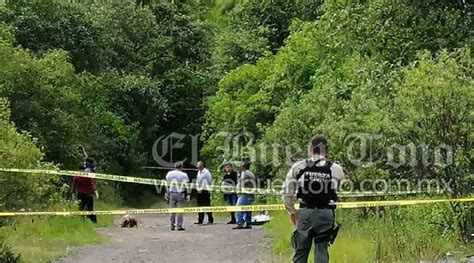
(261, 218)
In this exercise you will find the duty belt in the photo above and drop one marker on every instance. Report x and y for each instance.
(317, 206)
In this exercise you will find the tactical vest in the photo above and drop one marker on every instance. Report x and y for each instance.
(317, 187)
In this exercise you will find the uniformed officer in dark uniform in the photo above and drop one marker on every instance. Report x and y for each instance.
(315, 180)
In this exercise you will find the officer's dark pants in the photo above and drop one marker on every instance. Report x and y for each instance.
(311, 222)
(86, 203)
(204, 199)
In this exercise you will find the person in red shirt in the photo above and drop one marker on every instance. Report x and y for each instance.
(85, 189)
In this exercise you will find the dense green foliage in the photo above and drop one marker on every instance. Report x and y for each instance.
(115, 77)
(402, 72)
(360, 68)
(121, 82)
(17, 150)
(112, 77)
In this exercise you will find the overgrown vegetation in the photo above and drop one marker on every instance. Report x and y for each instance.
(399, 70)
(408, 235)
(6, 253)
(115, 77)
(45, 239)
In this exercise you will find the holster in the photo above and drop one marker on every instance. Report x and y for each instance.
(328, 236)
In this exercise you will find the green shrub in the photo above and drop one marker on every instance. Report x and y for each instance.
(6, 253)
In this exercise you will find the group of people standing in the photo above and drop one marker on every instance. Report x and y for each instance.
(177, 193)
(314, 180)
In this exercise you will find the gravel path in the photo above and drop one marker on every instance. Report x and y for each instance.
(154, 242)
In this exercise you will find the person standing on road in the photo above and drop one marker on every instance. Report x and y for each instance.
(176, 194)
(230, 179)
(315, 180)
(204, 182)
(246, 182)
(84, 190)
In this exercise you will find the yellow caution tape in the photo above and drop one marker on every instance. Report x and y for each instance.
(222, 209)
(215, 188)
(146, 181)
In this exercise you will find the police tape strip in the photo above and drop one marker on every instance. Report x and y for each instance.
(146, 181)
(214, 188)
(223, 209)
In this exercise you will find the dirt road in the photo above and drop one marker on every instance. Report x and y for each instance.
(154, 242)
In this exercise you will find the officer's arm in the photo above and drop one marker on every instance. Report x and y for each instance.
(289, 190)
(209, 180)
(83, 151)
(338, 174)
(187, 190)
(239, 180)
(167, 183)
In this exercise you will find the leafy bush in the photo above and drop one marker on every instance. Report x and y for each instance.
(6, 254)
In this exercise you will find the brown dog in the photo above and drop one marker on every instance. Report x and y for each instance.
(129, 222)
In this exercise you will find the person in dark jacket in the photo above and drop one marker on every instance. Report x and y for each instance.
(230, 179)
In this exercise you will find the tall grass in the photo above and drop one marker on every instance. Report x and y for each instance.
(44, 239)
(405, 234)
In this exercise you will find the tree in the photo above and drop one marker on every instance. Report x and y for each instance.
(256, 27)
(40, 91)
(126, 112)
(433, 103)
(46, 25)
(145, 57)
(319, 53)
(19, 151)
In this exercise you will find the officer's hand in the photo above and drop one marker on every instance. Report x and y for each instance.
(167, 197)
(188, 198)
(294, 217)
(96, 194)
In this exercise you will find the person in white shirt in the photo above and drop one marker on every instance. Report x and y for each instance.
(176, 194)
(204, 182)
